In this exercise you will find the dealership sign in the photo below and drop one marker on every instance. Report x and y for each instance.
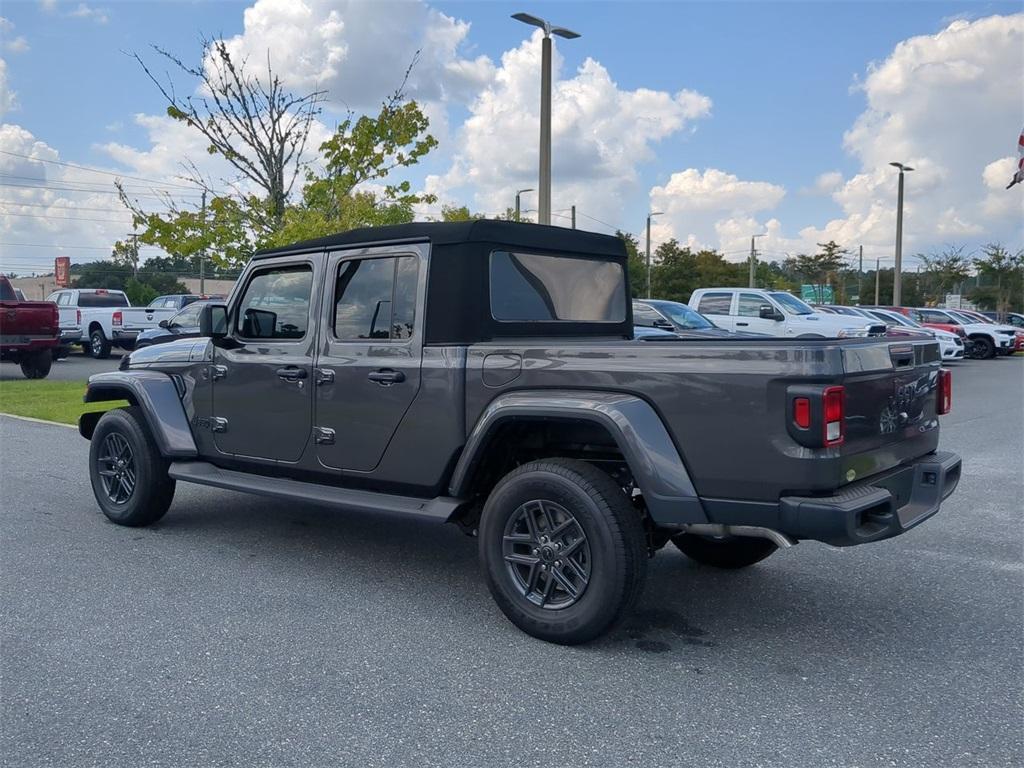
(62, 271)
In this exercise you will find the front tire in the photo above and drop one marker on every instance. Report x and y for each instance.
(563, 550)
(129, 476)
(985, 349)
(728, 552)
(99, 346)
(37, 365)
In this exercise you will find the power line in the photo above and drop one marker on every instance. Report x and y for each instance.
(90, 191)
(56, 207)
(95, 170)
(61, 218)
(58, 245)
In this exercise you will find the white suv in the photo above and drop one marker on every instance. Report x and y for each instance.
(776, 313)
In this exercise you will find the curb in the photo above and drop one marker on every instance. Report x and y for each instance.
(38, 421)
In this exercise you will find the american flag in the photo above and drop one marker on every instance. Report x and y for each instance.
(1018, 177)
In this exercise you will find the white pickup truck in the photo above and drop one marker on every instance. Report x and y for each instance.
(99, 318)
(776, 313)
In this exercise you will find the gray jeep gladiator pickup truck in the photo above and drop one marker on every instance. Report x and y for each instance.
(485, 373)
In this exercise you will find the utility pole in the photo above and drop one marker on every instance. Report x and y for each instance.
(860, 272)
(544, 193)
(135, 254)
(897, 273)
(753, 260)
(202, 251)
(878, 263)
(649, 216)
(574, 217)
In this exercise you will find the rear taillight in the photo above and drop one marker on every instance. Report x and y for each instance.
(802, 412)
(834, 409)
(78, 317)
(944, 397)
(116, 319)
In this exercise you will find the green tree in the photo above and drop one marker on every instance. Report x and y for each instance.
(945, 271)
(636, 264)
(1000, 279)
(821, 268)
(674, 274)
(458, 213)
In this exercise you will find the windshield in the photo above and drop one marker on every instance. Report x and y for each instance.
(792, 304)
(683, 316)
(963, 319)
(896, 317)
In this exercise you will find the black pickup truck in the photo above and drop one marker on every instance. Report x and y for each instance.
(486, 374)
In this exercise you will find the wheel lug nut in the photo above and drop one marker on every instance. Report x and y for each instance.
(558, 563)
(543, 567)
(536, 551)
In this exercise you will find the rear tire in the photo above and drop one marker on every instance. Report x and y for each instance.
(563, 550)
(99, 346)
(729, 552)
(37, 365)
(129, 476)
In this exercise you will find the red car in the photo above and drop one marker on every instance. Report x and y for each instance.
(29, 332)
(928, 319)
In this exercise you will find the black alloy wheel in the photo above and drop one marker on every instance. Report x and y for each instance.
(116, 468)
(547, 554)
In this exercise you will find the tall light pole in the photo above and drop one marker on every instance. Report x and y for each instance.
(753, 259)
(649, 217)
(518, 193)
(544, 191)
(897, 272)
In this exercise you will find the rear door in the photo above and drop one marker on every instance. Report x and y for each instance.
(716, 306)
(368, 368)
(262, 373)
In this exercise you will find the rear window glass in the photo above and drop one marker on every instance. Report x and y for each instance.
(7, 291)
(102, 300)
(534, 287)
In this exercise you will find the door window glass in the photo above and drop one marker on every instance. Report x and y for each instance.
(750, 305)
(188, 317)
(64, 300)
(276, 304)
(375, 299)
(645, 316)
(715, 303)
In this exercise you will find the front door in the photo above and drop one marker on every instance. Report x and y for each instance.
(368, 370)
(262, 372)
(748, 315)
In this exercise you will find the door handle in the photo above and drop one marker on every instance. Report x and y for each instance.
(386, 376)
(291, 373)
(744, 324)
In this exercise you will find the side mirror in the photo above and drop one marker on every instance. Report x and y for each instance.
(664, 324)
(213, 321)
(768, 312)
(162, 323)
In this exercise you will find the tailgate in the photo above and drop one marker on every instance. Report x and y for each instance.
(891, 405)
(27, 320)
(144, 318)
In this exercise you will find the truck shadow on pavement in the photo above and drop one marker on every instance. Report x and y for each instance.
(687, 610)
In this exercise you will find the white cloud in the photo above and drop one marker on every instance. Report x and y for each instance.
(8, 97)
(359, 51)
(600, 136)
(713, 209)
(83, 11)
(826, 184)
(40, 208)
(11, 43)
(948, 104)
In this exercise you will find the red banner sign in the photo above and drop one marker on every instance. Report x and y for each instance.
(62, 271)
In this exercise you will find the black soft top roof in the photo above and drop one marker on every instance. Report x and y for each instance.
(451, 233)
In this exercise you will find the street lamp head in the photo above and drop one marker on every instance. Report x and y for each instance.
(534, 21)
(655, 213)
(901, 166)
(520, 191)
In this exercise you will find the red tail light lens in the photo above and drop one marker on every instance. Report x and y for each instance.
(78, 317)
(802, 412)
(116, 319)
(944, 397)
(834, 407)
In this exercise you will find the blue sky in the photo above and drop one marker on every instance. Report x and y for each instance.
(781, 78)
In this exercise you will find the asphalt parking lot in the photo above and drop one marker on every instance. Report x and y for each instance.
(75, 367)
(245, 632)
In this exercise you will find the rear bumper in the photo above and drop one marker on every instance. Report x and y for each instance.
(70, 335)
(123, 337)
(878, 508)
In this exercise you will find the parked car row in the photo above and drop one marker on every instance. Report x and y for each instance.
(99, 319)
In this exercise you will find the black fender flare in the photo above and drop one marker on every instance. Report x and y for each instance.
(636, 427)
(158, 397)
